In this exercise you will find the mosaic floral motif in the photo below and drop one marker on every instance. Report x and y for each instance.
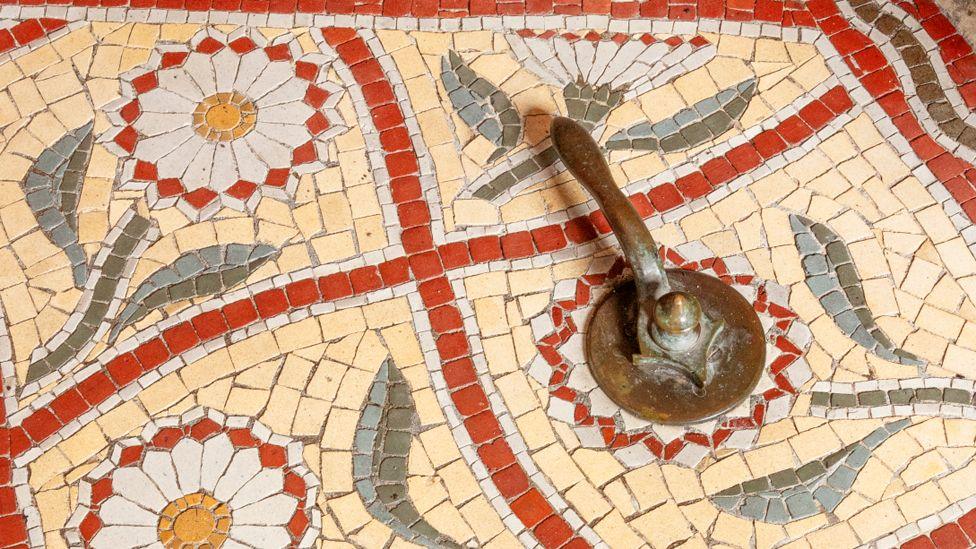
(224, 120)
(817, 487)
(111, 272)
(577, 399)
(53, 188)
(200, 480)
(202, 272)
(635, 62)
(833, 278)
(383, 437)
(482, 106)
(386, 259)
(703, 121)
(895, 397)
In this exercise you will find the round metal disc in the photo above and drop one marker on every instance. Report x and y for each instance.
(611, 341)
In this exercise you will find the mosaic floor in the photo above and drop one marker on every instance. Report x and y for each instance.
(310, 274)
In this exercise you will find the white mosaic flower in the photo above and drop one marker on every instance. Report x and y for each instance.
(201, 480)
(639, 62)
(223, 120)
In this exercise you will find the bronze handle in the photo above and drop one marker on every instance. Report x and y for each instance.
(582, 156)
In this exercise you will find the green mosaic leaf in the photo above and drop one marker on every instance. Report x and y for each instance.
(690, 127)
(203, 272)
(483, 107)
(813, 488)
(132, 233)
(53, 188)
(834, 280)
(382, 445)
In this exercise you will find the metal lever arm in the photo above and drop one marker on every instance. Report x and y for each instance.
(582, 156)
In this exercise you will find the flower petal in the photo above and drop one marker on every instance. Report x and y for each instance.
(271, 511)
(153, 149)
(273, 154)
(224, 166)
(225, 64)
(286, 113)
(249, 166)
(199, 67)
(290, 135)
(242, 468)
(291, 92)
(113, 537)
(158, 123)
(198, 169)
(251, 66)
(266, 537)
(174, 163)
(118, 510)
(188, 459)
(166, 101)
(272, 78)
(135, 485)
(265, 483)
(159, 466)
(178, 81)
(217, 453)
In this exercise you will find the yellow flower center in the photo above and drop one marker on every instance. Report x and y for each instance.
(224, 116)
(194, 521)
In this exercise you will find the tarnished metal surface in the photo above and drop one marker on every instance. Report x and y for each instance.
(736, 360)
(704, 351)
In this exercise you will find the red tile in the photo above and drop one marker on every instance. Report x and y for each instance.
(301, 293)
(693, 185)
(353, 52)
(338, 35)
(405, 188)
(548, 239)
(485, 248)
(531, 508)
(395, 271)
(968, 523)
(453, 345)
(793, 130)
(413, 213)
(769, 144)
(426, 265)
(402, 163)
(271, 302)
(665, 197)
(123, 369)
(335, 286)
(387, 116)
(365, 279)
(96, 388)
(27, 31)
(209, 324)
(719, 170)
(272, 455)
(510, 481)
(435, 292)
(580, 230)
(417, 239)
(516, 245)
(240, 313)
(483, 427)
(40, 425)
(454, 255)
(553, 531)
(921, 542)
(394, 139)
(950, 536)
(458, 373)
(470, 400)
(153, 352)
(445, 319)
(14, 529)
(69, 405)
(202, 429)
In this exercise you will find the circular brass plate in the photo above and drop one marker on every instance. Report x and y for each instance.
(611, 341)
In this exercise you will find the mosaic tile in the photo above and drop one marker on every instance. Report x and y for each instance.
(311, 274)
(833, 278)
